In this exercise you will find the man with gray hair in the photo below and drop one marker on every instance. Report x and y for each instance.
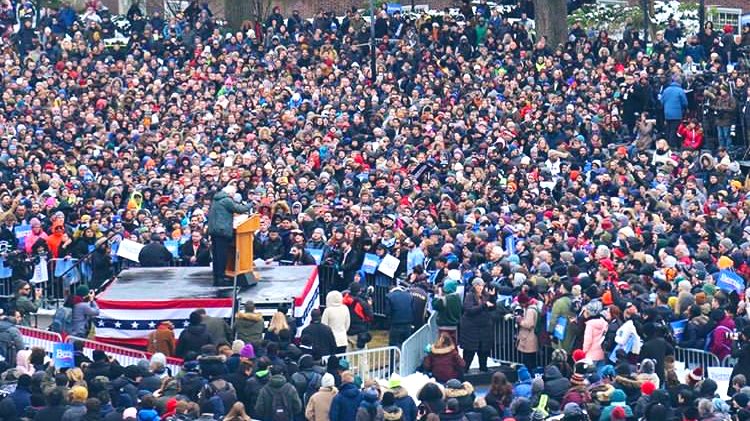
(220, 217)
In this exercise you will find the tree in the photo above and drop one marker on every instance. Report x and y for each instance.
(239, 11)
(550, 18)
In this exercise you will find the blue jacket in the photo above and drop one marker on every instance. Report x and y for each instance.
(406, 403)
(674, 100)
(398, 305)
(522, 389)
(345, 404)
(22, 399)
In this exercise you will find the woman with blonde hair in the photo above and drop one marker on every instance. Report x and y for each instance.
(237, 413)
(278, 323)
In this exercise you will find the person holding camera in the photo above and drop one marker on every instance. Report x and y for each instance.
(478, 306)
(84, 310)
(23, 303)
(725, 106)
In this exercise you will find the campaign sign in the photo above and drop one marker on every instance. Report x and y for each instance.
(62, 354)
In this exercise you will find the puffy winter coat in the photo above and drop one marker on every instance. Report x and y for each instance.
(555, 385)
(319, 406)
(249, 327)
(336, 316)
(528, 341)
(444, 363)
(674, 100)
(345, 404)
(593, 336)
(192, 339)
(221, 214)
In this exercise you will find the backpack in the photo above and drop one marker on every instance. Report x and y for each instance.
(62, 320)
(313, 384)
(279, 407)
(710, 337)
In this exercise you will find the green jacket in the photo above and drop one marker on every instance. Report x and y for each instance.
(221, 213)
(249, 327)
(448, 309)
(561, 308)
(277, 384)
(26, 306)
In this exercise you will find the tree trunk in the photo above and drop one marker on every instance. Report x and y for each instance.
(238, 11)
(550, 18)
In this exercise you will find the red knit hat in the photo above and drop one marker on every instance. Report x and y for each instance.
(618, 413)
(578, 355)
(647, 388)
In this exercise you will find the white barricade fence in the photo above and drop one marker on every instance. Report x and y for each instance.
(38, 338)
(124, 356)
(375, 363)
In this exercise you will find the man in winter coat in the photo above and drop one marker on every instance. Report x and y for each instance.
(193, 337)
(84, 310)
(162, 339)
(220, 218)
(555, 385)
(307, 379)
(562, 313)
(674, 101)
(217, 328)
(249, 324)
(726, 107)
(321, 336)
(360, 314)
(398, 309)
(402, 399)
(345, 404)
(319, 406)
(522, 388)
(155, 254)
(277, 389)
(10, 336)
(447, 304)
(336, 316)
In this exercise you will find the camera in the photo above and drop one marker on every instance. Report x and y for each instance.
(518, 311)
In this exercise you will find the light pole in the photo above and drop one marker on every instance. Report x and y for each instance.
(373, 70)
(644, 9)
(701, 15)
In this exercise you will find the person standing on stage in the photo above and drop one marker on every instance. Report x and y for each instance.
(223, 207)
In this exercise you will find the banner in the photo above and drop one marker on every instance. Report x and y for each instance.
(62, 354)
(728, 280)
(370, 264)
(678, 328)
(40, 272)
(317, 254)
(389, 265)
(129, 249)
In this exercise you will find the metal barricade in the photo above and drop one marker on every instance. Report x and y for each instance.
(125, 356)
(413, 348)
(175, 365)
(376, 363)
(693, 358)
(326, 282)
(38, 338)
(328, 279)
(729, 361)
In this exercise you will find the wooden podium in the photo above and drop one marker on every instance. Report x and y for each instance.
(240, 256)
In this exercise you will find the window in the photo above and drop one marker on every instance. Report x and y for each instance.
(721, 16)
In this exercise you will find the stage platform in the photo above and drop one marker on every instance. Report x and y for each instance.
(139, 299)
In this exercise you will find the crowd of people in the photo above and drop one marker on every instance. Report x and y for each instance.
(590, 191)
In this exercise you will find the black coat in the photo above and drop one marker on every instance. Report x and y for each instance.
(192, 339)
(350, 264)
(656, 349)
(476, 321)
(154, 255)
(203, 254)
(50, 413)
(322, 339)
(741, 351)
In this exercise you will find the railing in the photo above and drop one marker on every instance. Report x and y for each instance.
(329, 279)
(38, 338)
(696, 358)
(413, 348)
(376, 363)
(125, 356)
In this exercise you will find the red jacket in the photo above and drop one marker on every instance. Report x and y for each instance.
(692, 139)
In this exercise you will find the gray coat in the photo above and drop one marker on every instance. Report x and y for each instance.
(9, 334)
(217, 328)
(221, 213)
(82, 313)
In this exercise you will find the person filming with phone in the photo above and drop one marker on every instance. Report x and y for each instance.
(84, 311)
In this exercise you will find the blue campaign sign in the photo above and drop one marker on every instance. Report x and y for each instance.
(62, 354)
(22, 231)
(173, 246)
(317, 254)
(729, 280)
(5, 271)
(678, 328)
(370, 264)
(392, 8)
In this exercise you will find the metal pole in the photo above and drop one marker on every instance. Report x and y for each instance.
(701, 15)
(644, 9)
(373, 69)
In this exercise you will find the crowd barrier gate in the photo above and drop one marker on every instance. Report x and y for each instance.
(375, 363)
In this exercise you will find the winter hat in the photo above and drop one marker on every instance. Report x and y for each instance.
(327, 380)
(130, 413)
(247, 351)
(647, 366)
(159, 359)
(696, 374)
(594, 308)
(537, 385)
(82, 290)
(450, 286)
(371, 394)
(741, 399)
(394, 382)
(618, 413)
(237, 346)
(618, 396)
(578, 355)
(724, 262)
(572, 409)
(700, 298)
(577, 379)
(523, 374)
(709, 289)
(388, 399)
(454, 384)
(647, 388)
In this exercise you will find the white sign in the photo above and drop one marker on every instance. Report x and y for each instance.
(722, 376)
(129, 249)
(40, 272)
(388, 266)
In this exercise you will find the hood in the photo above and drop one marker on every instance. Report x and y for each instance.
(466, 390)
(399, 392)
(349, 390)
(618, 396)
(392, 413)
(334, 299)
(551, 372)
(252, 317)
(220, 195)
(276, 381)
(442, 351)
